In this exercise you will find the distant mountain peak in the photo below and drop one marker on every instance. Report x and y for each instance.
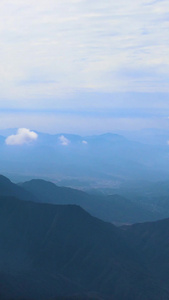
(4, 179)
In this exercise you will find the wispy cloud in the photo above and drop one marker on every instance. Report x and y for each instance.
(64, 141)
(23, 136)
(53, 49)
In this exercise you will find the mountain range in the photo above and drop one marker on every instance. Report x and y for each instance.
(114, 208)
(108, 158)
(54, 251)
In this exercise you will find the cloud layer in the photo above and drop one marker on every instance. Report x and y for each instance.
(83, 55)
(81, 45)
(23, 136)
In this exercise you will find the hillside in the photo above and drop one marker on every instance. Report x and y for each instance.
(49, 251)
(151, 241)
(116, 209)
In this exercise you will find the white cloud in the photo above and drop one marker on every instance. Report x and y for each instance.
(23, 136)
(64, 141)
(84, 142)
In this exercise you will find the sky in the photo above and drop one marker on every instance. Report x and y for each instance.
(84, 66)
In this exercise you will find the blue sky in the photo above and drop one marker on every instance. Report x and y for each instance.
(84, 65)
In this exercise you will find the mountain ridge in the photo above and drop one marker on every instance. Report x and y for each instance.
(60, 250)
(113, 208)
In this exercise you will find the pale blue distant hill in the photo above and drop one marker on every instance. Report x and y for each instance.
(105, 157)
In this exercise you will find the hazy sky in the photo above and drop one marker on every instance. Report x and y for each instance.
(83, 65)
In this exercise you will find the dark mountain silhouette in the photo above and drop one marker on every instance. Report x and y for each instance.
(115, 208)
(7, 188)
(53, 251)
(151, 241)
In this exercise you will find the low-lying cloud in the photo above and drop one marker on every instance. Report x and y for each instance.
(64, 141)
(23, 136)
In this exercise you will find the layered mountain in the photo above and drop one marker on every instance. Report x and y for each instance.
(60, 251)
(154, 196)
(7, 188)
(108, 157)
(113, 208)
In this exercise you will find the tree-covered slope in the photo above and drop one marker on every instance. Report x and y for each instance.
(49, 251)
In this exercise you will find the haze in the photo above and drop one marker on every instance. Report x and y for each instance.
(84, 66)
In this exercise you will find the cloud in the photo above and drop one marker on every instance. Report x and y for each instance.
(23, 136)
(75, 45)
(79, 55)
(64, 141)
(84, 142)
